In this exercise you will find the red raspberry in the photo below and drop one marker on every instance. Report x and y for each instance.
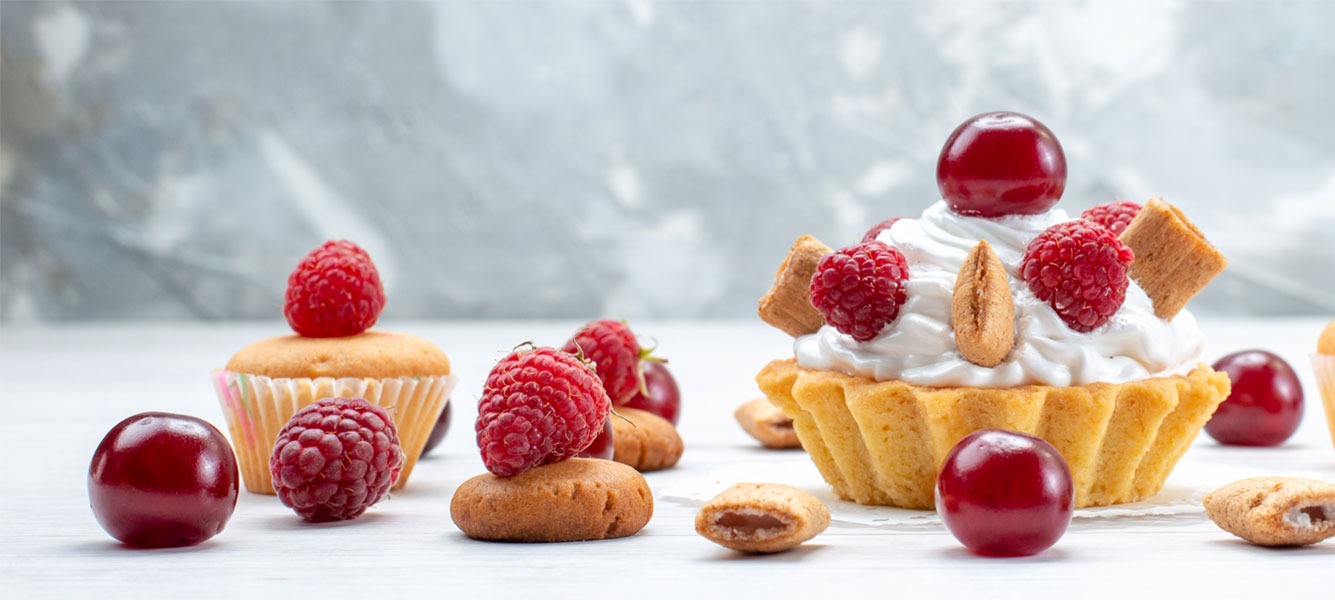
(539, 405)
(615, 353)
(334, 292)
(859, 288)
(1113, 215)
(1080, 269)
(876, 229)
(335, 458)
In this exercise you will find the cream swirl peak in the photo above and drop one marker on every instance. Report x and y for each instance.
(919, 347)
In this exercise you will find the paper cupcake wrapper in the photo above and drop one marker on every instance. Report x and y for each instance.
(257, 408)
(883, 443)
(1324, 365)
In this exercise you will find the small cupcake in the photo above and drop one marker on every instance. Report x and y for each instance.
(1323, 362)
(333, 297)
(267, 382)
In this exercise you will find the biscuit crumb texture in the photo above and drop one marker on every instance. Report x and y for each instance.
(1275, 511)
(787, 305)
(573, 500)
(762, 517)
(982, 309)
(1174, 261)
(644, 440)
(767, 424)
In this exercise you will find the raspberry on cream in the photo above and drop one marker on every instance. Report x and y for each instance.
(919, 346)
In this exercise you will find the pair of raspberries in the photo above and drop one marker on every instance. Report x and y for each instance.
(1079, 268)
(543, 405)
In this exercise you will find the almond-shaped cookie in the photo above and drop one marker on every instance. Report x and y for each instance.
(982, 309)
(568, 501)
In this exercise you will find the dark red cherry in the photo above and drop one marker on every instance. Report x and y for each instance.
(602, 446)
(161, 480)
(438, 431)
(1266, 404)
(1001, 163)
(664, 398)
(1002, 493)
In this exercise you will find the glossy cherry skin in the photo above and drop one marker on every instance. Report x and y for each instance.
(162, 480)
(999, 164)
(602, 446)
(1002, 493)
(438, 431)
(1266, 404)
(664, 398)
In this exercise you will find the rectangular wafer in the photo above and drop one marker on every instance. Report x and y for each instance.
(787, 305)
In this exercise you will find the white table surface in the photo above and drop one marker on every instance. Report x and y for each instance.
(64, 387)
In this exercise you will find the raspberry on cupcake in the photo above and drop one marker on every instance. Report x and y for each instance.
(334, 292)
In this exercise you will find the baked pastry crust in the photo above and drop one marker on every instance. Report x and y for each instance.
(883, 442)
(373, 354)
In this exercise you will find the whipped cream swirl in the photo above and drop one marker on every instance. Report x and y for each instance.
(919, 346)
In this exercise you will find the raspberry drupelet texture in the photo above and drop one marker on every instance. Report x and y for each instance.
(335, 458)
(1080, 269)
(335, 291)
(876, 229)
(615, 353)
(1113, 215)
(859, 288)
(538, 406)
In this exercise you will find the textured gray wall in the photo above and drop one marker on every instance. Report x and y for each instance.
(514, 159)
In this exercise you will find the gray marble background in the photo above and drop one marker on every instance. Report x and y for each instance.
(632, 158)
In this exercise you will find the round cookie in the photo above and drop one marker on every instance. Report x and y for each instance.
(644, 440)
(568, 501)
(373, 354)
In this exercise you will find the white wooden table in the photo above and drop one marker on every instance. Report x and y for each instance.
(64, 387)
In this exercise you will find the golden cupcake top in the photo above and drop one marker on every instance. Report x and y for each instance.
(1326, 343)
(373, 354)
